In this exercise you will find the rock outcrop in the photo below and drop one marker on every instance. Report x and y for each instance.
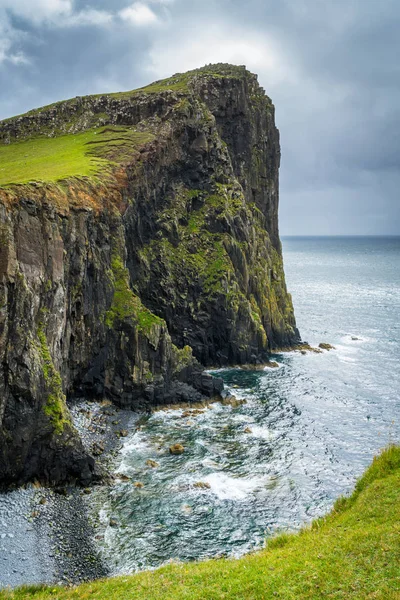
(125, 282)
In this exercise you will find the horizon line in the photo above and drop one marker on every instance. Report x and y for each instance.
(342, 235)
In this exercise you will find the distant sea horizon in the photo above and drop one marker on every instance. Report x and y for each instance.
(306, 430)
(341, 235)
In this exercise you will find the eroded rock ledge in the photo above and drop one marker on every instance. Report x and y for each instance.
(127, 283)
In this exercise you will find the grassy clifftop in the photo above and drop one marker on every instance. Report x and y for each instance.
(353, 553)
(55, 159)
(90, 137)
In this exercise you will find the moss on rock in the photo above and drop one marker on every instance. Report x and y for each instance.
(55, 407)
(126, 304)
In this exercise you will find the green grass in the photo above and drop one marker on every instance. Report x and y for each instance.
(76, 155)
(353, 553)
(55, 407)
(125, 304)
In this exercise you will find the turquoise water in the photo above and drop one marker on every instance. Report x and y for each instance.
(306, 432)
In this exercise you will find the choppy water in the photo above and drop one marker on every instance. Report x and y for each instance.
(312, 425)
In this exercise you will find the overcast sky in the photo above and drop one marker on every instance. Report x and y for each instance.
(331, 67)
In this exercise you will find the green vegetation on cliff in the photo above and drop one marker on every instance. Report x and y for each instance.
(82, 154)
(214, 246)
(352, 554)
(55, 407)
(125, 304)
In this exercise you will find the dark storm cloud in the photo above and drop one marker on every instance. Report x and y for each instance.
(331, 69)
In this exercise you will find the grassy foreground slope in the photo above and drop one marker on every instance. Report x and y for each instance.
(354, 552)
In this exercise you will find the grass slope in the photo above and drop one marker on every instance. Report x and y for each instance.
(49, 156)
(353, 553)
(55, 159)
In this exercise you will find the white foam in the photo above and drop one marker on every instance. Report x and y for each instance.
(243, 418)
(136, 443)
(226, 487)
(347, 359)
(262, 432)
(210, 463)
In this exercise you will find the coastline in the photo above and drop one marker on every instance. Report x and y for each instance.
(49, 535)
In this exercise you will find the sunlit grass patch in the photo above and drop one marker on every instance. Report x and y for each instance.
(52, 159)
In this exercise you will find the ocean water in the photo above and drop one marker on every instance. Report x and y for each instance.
(307, 430)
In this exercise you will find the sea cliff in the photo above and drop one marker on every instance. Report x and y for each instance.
(139, 244)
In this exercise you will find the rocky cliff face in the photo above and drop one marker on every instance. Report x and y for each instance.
(122, 283)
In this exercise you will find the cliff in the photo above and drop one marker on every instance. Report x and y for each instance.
(138, 241)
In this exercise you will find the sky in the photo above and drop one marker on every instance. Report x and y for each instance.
(331, 67)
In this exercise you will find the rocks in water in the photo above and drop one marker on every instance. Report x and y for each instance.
(233, 401)
(191, 413)
(123, 433)
(138, 484)
(272, 364)
(113, 523)
(202, 485)
(303, 348)
(248, 430)
(123, 477)
(325, 346)
(355, 339)
(176, 449)
(152, 463)
(98, 448)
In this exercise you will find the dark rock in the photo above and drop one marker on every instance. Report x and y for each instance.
(98, 448)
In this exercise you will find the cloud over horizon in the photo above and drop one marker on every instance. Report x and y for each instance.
(331, 70)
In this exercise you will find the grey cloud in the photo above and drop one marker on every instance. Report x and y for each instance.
(331, 69)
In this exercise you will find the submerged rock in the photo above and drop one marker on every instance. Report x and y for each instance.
(233, 401)
(202, 485)
(325, 346)
(176, 449)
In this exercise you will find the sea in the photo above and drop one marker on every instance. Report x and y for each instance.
(305, 432)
